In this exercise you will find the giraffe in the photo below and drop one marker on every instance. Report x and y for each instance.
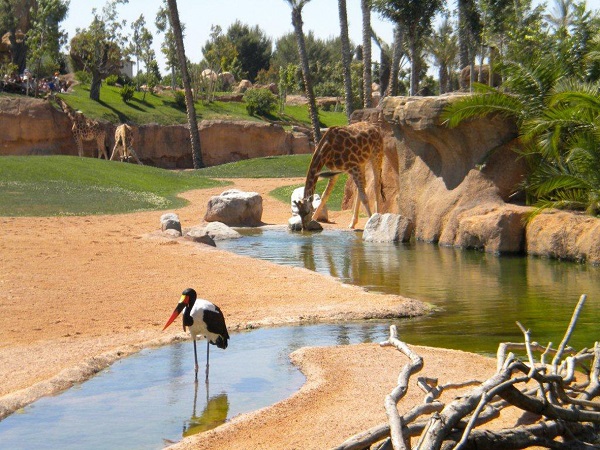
(344, 149)
(124, 144)
(85, 129)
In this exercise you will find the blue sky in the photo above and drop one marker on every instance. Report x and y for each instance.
(272, 16)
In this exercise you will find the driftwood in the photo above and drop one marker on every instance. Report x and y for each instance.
(554, 393)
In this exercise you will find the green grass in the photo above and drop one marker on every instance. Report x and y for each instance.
(278, 167)
(68, 185)
(161, 109)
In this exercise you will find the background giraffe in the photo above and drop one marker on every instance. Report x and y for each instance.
(124, 144)
(345, 149)
(85, 129)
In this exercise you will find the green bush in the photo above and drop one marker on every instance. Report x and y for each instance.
(127, 92)
(111, 80)
(179, 97)
(83, 77)
(260, 102)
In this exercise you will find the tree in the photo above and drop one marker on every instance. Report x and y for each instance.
(297, 6)
(415, 17)
(443, 47)
(189, 98)
(346, 57)
(397, 54)
(15, 19)
(141, 45)
(45, 36)
(365, 6)
(98, 49)
(253, 47)
(168, 47)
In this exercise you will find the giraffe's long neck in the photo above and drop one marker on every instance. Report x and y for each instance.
(312, 175)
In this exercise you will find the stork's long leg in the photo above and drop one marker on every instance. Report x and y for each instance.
(196, 359)
(207, 352)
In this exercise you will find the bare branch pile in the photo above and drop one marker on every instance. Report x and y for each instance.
(556, 393)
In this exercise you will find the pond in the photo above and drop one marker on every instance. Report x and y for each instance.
(150, 400)
(480, 295)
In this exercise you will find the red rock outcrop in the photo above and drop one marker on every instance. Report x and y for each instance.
(456, 185)
(34, 127)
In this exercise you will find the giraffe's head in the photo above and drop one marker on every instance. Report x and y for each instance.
(305, 210)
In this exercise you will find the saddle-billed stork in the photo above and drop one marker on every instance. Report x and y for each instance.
(202, 318)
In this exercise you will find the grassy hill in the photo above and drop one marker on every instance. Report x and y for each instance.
(163, 110)
(69, 185)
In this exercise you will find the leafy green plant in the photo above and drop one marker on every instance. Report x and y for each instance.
(127, 92)
(111, 80)
(179, 98)
(83, 77)
(260, 102)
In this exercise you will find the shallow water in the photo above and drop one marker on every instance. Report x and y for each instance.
(149, 400)
(481, 295)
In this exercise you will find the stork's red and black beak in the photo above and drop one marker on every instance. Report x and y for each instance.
(183, 302)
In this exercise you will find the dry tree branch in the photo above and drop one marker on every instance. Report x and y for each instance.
(392, 399)
(569, 332)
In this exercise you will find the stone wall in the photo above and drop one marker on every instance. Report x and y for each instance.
(35, 127)
(460, 186)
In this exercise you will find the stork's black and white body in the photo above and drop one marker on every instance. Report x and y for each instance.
(201, 318)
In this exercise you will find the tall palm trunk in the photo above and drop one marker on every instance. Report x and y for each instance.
(346, 57)
(187, 85)
(366, 35)
(397, 55)
(312, 104)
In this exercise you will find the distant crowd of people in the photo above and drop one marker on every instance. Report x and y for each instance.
(26, 84)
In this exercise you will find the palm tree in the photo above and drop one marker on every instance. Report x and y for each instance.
(415, 18)
(397, 54)
(346, 56)
(187, 85)
(443, 47)
(297, 6)
(366, 35)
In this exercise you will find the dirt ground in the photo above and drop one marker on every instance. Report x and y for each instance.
(77, 293)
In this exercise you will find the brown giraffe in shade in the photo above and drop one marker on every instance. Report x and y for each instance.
(85, 129)
(124, 144)
(344, 149)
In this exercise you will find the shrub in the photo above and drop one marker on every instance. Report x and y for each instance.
(83, 77)
(111, 80)
(127, 92)
(179, 97)
(260, 102)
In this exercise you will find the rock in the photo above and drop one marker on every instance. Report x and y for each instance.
(388, 228)
(219, 231)
(500, 230)
(465, 76)
(565, 235)
(298, 195)
(295, 224)
(157, 145)
(170, 221)
(172, 233)
(243, 86)
(200, 236)
(235, 208)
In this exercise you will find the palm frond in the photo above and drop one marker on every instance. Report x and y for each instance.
(482, 105)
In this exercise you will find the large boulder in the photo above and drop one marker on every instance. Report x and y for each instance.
(564, 235)
(388, 228)
(298, 194)
(170, 221)
(235, 208)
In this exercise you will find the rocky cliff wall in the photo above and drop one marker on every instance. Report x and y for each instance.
(34, 127)
(460, 186)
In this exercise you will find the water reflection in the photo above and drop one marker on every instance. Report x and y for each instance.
(481, 295)
(215, 413)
